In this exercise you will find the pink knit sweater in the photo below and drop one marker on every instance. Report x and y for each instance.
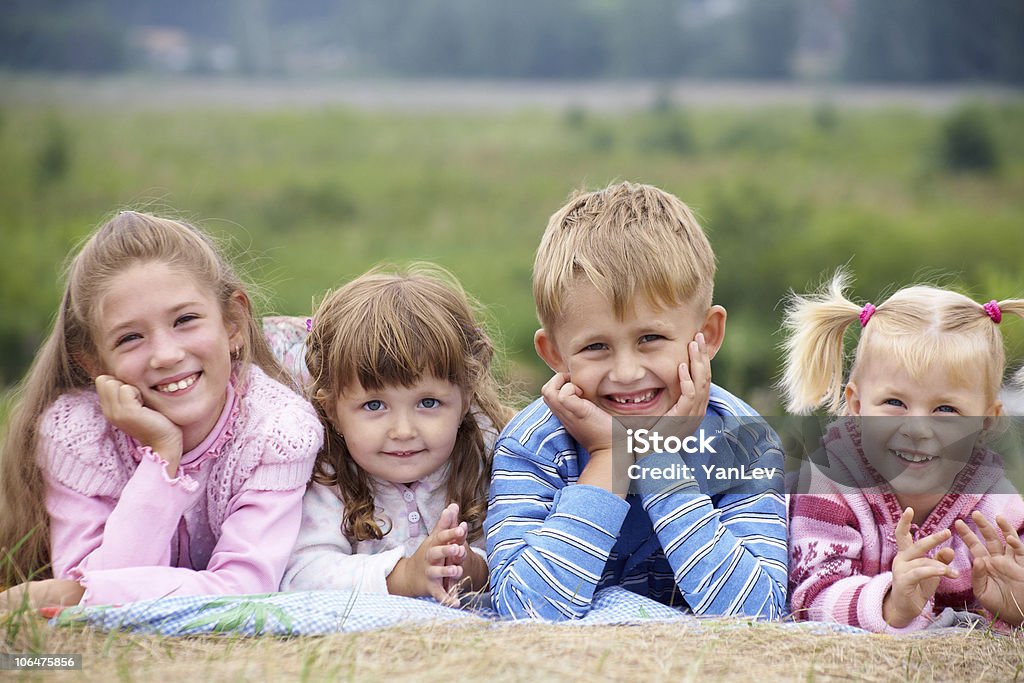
(226, 524)
(842, 534)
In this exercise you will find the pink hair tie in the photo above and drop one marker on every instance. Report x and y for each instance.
(309, 324)
(866, 313)
(992, 308)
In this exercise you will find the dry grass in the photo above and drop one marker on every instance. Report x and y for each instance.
(710, 651)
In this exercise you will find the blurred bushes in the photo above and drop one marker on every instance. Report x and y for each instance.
(786, 195)
(968, 142)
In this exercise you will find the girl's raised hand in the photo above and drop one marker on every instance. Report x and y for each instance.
(997, 572)
(426, 571)
(474, 568)
(122, 406)
(915, 576)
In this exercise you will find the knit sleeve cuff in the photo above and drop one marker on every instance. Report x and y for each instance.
(150, 459)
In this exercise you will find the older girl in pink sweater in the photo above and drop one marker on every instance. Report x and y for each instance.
(155, 450)
(906, 511)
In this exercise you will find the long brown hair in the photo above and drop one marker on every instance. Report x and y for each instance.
(395, 328)
(129, 238)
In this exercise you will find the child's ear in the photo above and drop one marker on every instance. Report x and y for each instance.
(238, 310)
(714, 329)
(995, 412)
(852, 396)
(544, 343)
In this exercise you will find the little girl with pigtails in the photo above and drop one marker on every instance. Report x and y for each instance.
(158, 448)
(400, 373)
(908, 512)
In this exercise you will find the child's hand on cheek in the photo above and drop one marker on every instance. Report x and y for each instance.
(122, 406)
(427, 571)
(915, 576)
(588, 424)
(997, 574)
(694, 389)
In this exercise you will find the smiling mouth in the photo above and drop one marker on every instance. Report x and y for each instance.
(402, 454)
(181, 384)
(634, 398)
(913, 458)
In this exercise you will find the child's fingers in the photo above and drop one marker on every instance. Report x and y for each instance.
(925, 545)
(687, 389)
(946, 555)
(903, 538)
(993, 543)
(932, 570)
(447, 537)
(447, 520)
(551, 388)
(700, 363)
(1014, 546)
(973, 543)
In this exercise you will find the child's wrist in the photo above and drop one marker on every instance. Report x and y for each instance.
(896, 615)
(396, 580)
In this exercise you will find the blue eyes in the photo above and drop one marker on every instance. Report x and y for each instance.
(427, 403)
(650, 337)
(594, 347)
(947, 409)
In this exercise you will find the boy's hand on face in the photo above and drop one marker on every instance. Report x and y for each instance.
(694, 388)
(915, 576)
(997, 573)
(585, 422)
(122, 406)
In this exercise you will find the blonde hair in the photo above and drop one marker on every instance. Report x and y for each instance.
(128, 239)
(626, 240)
(396, 328)
(921, 327)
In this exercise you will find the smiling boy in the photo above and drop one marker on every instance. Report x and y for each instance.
(623, 282)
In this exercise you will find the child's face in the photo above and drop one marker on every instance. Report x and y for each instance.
(918, 433)
(627, 366)
(159, 331)
(400, 434)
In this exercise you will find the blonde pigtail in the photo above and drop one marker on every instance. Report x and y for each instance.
(813, 367)
(1013, 307)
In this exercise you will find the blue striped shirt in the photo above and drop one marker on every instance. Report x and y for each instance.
(710, 547)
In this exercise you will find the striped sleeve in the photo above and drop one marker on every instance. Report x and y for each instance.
(728, 551)
(548, 539)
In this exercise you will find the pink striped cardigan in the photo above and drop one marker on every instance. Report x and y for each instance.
(842, 534)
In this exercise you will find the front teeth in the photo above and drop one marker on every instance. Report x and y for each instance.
(910, 457)
(178, 386)
(644, 398)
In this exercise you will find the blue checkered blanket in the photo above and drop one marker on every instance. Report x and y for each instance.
(323, 612)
